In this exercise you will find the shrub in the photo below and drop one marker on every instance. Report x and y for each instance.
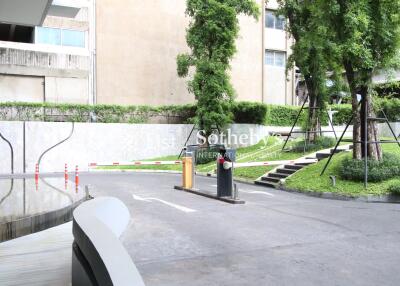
(353, 170)
(394, 189)
(343, 115)
(391, 107)
(283, 115)
(249, 112)
(389, 89)
(319, 144)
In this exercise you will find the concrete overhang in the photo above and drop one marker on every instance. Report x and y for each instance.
(66, 8)
(24, 12)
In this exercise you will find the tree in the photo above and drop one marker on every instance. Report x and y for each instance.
(211, 37)
(309, 50)
(366, 35)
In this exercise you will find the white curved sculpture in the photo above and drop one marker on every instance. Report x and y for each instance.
(99, 258)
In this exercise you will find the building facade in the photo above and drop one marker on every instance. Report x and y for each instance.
(44, 51)
(124, 52)
(138, 41)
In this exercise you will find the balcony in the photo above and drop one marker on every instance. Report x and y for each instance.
(31, 59)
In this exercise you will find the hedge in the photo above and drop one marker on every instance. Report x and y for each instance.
(389, 89)
(391, 107)
(23, 111)
(285, 115)
(249, 112)
(282, 115)
(243, 112)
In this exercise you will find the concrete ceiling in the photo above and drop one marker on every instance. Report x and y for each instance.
(24, 12)
(66, 8)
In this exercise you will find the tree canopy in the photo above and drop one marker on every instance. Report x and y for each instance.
(353, 37)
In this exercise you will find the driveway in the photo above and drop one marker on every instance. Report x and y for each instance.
(276, 238)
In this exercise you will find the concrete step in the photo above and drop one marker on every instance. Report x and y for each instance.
(278, 175)
(321, 156)
(294, 167)
(270, 179)
(266, 184)
(304, 164)
(286, 171)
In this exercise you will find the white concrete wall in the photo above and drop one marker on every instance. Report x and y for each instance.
(275, 85)
(384, 130)
(14, 133)
(107, 142)
(99, 142)
(67, 90)
(21, 88)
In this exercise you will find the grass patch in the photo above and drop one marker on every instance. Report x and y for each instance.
(149, 167)
(266, 150)
(319, 144)
(309, 179)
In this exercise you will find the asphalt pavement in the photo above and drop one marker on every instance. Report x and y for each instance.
(276, 238)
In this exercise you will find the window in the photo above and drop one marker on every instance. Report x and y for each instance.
(73, 38)
(270, 20)
(274, 22)
(48, 36)
(60, 37)
(275, 58)
(270, 58)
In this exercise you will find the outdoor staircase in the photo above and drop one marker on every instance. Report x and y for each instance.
(273, 178)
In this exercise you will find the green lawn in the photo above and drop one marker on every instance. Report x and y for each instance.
(309, 179)
(150, 167)
(266, 150)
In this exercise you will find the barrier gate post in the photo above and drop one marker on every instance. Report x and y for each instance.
(225, 161)
(187, 171)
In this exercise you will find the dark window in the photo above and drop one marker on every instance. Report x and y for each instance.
(16, 33)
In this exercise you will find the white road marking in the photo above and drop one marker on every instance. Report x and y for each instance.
(135, 197)
(178, 207)
(257, 192)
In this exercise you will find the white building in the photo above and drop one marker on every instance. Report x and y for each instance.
(44, 51)
(53, 51)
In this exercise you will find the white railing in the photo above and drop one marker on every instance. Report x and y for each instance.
(43, 56)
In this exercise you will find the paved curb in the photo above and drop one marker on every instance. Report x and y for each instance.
(393, 199)
(211, 196)
(331, 196)
(133, 171)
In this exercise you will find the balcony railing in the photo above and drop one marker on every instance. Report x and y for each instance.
(51, 57)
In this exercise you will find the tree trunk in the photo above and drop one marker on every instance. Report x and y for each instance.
(357, 147)
(374, 150)
(313, 120)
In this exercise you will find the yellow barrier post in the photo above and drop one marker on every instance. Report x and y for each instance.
(187, 172)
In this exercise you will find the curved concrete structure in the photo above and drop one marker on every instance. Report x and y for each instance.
(99, 258)
(27, 207)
